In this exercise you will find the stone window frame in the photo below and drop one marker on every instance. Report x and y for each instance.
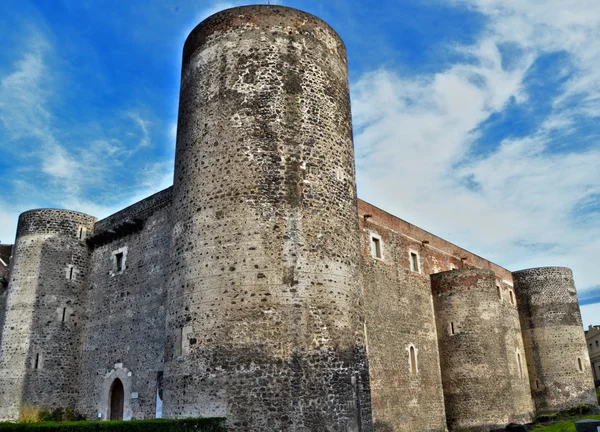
(410, 361)
(81, 232)
(519, 359)
(452, 331)
(418, 261)
(377, 238)
(580, 367)
(113, 261)
(37, 361)
(71, 272)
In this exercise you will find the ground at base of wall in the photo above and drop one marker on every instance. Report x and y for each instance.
(563, 426)
(184, 425)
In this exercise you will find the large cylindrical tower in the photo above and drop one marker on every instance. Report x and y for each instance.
(559, 368)
(476, 373)
(41, 343)
(264, 322)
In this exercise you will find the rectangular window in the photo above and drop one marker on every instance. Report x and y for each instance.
(376, 247)
(71, 273)
(452, 332)
(64, 314)
(119, 262)
(512, 297)
(414, 262)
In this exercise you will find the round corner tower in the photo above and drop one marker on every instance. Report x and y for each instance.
(479, 370)
(40, 349)
(264, 321)
(559, 367)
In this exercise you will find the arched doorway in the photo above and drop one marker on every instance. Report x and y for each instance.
(117, 399)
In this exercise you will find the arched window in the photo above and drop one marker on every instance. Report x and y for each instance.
(413, 360)
(512, 297)
(499, 290)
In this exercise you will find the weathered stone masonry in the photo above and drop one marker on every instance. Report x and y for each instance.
(259, 288)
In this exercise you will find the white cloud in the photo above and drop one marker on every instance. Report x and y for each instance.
(590, 314)
(515, 204)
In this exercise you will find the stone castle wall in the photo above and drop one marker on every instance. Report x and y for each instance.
(559, 370)
(45, 311)
(267, 294)
(262, 290)
(126, 310)
(477, 366)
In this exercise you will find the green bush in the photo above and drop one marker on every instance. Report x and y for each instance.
(162, 425)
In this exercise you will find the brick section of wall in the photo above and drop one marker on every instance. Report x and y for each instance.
(399, 314)
(474, 358)
(554, 339)
(126, 313)
(266, 282)
(42, 291)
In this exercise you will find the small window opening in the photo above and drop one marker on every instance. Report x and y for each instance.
(413, 361)
(596, 343)
(452, 332)
(376, 247)
(71, 273)
(414, 262)
(119, 262)
(499, 290)
(36, 364)
(64, 314)
(580, 364)
(537, 384)
(520, 365)
(512, 297)
(80, 234)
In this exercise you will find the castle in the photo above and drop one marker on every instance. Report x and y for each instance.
(259, 288)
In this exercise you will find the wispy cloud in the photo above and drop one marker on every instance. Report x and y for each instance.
(423, 152)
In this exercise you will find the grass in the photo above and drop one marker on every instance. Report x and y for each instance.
(563, 426)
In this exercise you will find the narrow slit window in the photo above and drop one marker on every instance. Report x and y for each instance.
(520, 365)
(119, 262)
(64, 314)
(452, 332)
(596, 343)
(580, 364)
(80, 233)
(499, 290)
(71, 273)
(36, 364)
(179, 342)
(414, 262)
(413, 360)
(512, 297)
(376, 247)
(537, 384)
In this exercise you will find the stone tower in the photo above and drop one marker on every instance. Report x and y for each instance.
(41, 343)
(557, 355)
(264, 315)
(481, 375)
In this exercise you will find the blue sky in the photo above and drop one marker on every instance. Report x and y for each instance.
(474, 119)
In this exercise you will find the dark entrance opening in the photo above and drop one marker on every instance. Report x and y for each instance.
(117, 399)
